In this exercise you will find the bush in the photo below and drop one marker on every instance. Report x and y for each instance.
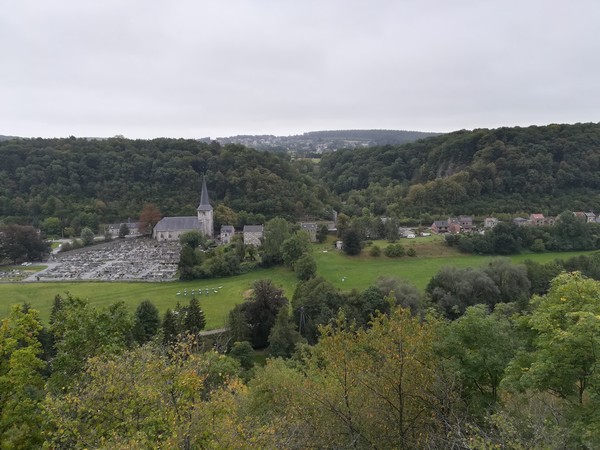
(375, 251)
(411, 252)
(248, 266)
(75, 244)
(538, 246)
(244, 353)
(451, 239)
(394, 251)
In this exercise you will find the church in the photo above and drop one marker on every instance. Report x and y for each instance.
(170, 228)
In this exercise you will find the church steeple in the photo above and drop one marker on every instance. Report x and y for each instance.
(204, 201)
(205, 212)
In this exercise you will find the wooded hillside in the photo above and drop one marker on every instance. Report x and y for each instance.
(507, 170)
(546, 169)
(106, 180)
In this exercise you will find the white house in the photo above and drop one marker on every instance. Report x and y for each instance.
(115, 228)
(227, 232)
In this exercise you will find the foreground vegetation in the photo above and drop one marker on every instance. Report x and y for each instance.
(505, 376)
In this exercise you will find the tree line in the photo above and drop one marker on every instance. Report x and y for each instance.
(569, 233)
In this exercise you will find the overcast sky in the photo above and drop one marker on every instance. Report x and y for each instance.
(149, 68)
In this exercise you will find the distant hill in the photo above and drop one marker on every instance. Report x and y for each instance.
(318, 142)
(7, 138)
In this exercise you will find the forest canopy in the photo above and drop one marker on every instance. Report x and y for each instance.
(85, 182)
(101, 181)
(505, 170)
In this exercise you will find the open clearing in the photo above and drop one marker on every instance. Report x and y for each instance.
(342, 271)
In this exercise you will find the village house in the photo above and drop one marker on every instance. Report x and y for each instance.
(311, 229)
(253, 235)
(404, 232)
(451, 225)
(490, 222)
(536, 220)
(227, 232)
(466, 223)
(115, 228)
(588, 217)
(171, 228)
(439, 226)
(520, 221)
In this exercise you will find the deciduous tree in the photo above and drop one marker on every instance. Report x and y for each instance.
(87, 236)
(21, 383)
(149, 217)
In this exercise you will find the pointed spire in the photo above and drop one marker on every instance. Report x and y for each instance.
(204, 201)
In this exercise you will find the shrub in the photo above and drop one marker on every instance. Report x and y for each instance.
(375, 251)
(394, 251)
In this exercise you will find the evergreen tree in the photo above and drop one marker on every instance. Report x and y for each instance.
(123, 230)
(194, 320)
(57, 307)
(283, 336)
(169, 327)
(352, 242)
(146, 322)
(322, 233)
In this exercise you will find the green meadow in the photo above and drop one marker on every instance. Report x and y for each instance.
(342, 271)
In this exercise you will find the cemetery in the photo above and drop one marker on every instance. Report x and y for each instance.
(141, 259)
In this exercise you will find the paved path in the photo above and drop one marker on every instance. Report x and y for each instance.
(215, 331)
(50, 265)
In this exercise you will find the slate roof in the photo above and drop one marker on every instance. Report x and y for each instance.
(308, 225)
(130, 224)
(227, 229)
(253, 228)
(177, 224)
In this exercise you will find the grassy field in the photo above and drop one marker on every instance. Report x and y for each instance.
(163, 295)
(344, 272)
(361, 271)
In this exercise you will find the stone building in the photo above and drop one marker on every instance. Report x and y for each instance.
(311, 229)
(227, 233)
(253, 234)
